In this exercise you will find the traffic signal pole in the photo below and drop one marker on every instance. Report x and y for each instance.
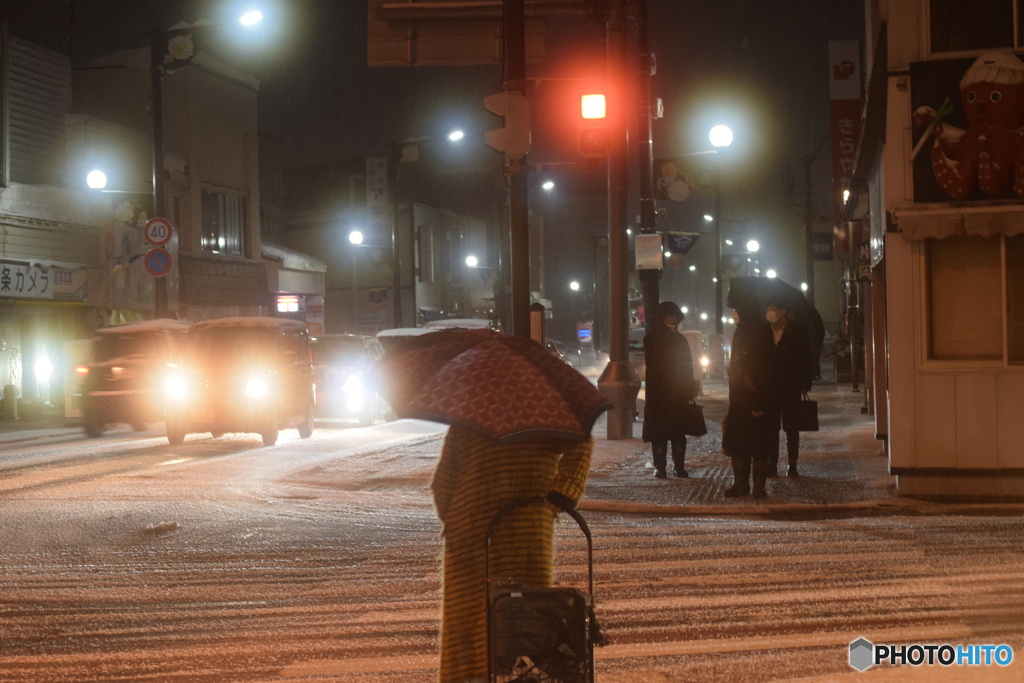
(619, 382)
(514, 20)
(648, 215)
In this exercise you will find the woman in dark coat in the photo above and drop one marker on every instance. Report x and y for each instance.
(792, 373)
(670, 386)
(746, 427)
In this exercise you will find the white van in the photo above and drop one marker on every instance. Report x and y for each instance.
(463, 324)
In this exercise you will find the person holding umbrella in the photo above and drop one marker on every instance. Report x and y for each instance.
(520, 428)
(792, 370)
(746, 427)
(670, 386)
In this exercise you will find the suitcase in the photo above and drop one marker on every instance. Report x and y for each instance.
(539, 634)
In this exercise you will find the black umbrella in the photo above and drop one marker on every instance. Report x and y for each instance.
(763, 289)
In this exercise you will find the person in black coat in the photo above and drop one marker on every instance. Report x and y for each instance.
(670, 386)
(745, 430)
(791, 376)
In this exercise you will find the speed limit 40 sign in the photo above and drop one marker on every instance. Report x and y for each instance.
(158, 231)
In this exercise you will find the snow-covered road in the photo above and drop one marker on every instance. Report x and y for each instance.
(126, 559)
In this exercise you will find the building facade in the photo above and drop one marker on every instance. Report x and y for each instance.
(939, 190)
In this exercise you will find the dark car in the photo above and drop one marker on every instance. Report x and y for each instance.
(125, 376)
(243, 374)
(346, 387)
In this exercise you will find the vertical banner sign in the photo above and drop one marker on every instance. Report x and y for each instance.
(845, 105)
(378, 227)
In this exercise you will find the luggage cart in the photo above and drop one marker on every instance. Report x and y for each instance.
(539, 634)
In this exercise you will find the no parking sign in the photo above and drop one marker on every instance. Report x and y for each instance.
(158, 262)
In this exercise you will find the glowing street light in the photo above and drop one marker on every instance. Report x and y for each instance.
(574, 286)
(753, 246)
(472, 261)
(548, 185)
(456, 135)
(251, 18)
(770, 273)
(96, 179)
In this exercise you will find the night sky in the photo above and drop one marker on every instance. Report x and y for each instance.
(759, 66)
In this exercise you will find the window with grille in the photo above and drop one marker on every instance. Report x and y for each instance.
(223, 224)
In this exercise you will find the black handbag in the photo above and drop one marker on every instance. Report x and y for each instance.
(803, 416)
(693, 419)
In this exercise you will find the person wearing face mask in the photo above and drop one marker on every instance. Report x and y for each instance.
(791, 375)
(670, 386)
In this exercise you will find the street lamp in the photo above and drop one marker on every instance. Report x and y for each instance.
(721, 137)
(355, 238)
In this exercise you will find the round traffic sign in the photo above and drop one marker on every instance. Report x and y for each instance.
(158, 262)
(158, 231)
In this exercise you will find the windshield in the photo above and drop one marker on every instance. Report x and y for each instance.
(219, 346)
(339, 352)
(140, 345)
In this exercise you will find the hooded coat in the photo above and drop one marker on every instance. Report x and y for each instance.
(474, 479)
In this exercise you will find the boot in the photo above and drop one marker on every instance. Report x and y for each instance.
(659, 453)
(741, 478)
(793, 452)
(679, 458)
(760, 477)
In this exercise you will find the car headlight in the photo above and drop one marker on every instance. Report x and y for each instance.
(256, 387)
(353, 391)
(176, 388)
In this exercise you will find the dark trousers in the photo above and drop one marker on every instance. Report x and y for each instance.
(659, 451)
(752, 452)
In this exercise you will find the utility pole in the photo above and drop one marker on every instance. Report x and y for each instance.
(619, 382)
(645, 146)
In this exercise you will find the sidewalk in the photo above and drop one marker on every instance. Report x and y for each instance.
(843, 470)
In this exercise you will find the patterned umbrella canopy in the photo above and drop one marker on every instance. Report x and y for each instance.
(504, 387)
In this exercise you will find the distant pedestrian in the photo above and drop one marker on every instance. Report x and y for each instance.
(746, 428)
(669, 387)
(475, 478)
(792, 370)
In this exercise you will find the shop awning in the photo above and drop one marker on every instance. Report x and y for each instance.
(974, 221)
(222, 281)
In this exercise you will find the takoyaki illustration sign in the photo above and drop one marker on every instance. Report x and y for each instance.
(968, 117)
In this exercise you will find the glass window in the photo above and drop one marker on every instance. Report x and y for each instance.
(1015, 297)
(964, 299)
(958, 26)
(223, 224)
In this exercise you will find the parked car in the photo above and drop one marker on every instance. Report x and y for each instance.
(244, 374)
(346, 387)
(124, 377)
(559, 350)
(464, 324)
(396, 335)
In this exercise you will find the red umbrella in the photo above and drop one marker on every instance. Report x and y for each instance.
(504, 387)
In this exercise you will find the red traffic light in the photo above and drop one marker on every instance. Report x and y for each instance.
(593, 106)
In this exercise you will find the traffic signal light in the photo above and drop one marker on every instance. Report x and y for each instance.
(514, 138)
(594, 139)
